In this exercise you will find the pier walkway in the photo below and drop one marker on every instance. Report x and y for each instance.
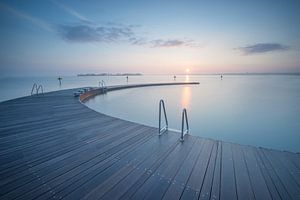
(54, 147)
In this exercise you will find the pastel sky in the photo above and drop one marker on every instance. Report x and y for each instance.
(152, 37)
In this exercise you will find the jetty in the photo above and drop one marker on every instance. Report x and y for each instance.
(54, 147)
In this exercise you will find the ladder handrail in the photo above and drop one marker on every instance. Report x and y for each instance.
(34, 87)
(102, 86)
(37, 88)
(161, 130)
(184, 118)
(42, 89)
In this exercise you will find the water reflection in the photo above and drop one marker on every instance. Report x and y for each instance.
(187, 78)
(186, 97)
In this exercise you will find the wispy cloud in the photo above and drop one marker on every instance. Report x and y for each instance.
(116, 33)
(24, 16)
(263, 48)
(87, 33)
(172, 43)
(71, 11)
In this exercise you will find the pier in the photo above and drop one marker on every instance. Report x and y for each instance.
(54, 147)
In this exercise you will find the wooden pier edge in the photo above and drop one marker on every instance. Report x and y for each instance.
(54, 147)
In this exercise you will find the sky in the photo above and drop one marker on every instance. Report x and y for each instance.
(60, 37)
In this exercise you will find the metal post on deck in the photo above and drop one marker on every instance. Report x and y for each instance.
(161, 130)
(184, 118)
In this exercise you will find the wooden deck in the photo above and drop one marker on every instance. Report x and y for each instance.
(54, 147)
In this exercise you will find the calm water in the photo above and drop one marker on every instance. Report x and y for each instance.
(255, 110)
(13, 87)
(260, 110)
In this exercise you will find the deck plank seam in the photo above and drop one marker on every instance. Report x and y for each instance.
(186, 186)
(200, 189)
(234, 172)
(171, 180)
(258, 157)
(148, 172)
(275, 172)
(215, 166)
(115, 155)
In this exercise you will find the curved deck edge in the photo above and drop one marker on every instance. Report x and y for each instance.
(89, 94)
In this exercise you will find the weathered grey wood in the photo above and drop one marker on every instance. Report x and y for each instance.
(61, 161)
(84, 171)
(275, 179)
(124, 164)
(287, 179)
(228, 181)
(52, 147)
(206, 189)
(178, 185)
(194, 184)
(55, 172)
(118, 190)
(167, 172)
(266, 175)
(216, 183)
(243, 184)
(257, 180)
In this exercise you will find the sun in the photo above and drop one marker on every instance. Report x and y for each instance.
(187, 70)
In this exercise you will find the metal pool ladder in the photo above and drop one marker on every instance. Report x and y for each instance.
(103, 86)
(184, 119)
(161, 130)
(37, 88)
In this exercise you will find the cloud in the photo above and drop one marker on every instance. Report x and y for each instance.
(263, 48)
(167, 43)
(138, 41)
(34, 20)
(173, 43)
(88, 33)
(80, 33)
(84, 33)
(72, 12)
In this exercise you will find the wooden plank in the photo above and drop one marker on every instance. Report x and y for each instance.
(52, 146)
(34, 160)
(216, 184)
(97, 179)
(243, 184)
(194, 184)
(228, 182)
(288, 163)
(286, 178)
(56, 182)
(149, 170)
(206, 189)
(168, 170)
(37, 156)
(116, 191)
(275, 179)
(294, 157)
(44, 169)
(177, 187)
(268, 179)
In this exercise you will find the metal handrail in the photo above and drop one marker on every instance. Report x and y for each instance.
(184, 118)
(161, 130)
(34, 87)
(42, 89)
(37, 88)
(102, 86)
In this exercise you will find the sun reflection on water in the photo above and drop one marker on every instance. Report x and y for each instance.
(187, 78)
(186, 97)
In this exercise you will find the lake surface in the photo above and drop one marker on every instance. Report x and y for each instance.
(259, 110)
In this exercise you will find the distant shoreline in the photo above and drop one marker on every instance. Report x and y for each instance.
(111, 74)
